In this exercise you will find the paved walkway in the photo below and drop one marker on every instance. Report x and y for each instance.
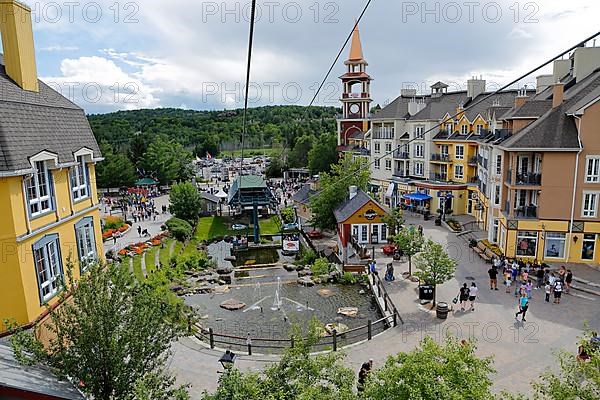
(521, 350)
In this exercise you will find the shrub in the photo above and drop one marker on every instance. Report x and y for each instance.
(320, 267)
(195, 261)
(348, 278)
(180, 229)
(307, 257)
(288, 215)
(112, 222)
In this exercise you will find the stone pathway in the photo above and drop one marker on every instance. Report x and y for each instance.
(131, 265)
(172, 249)
(143, 263)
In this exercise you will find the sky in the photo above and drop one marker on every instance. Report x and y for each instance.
(120, 55)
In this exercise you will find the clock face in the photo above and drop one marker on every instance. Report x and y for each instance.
(354, 108)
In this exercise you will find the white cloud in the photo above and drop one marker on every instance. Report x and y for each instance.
(59, 48)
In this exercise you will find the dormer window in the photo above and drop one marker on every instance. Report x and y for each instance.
(38, 191)
(79, 180)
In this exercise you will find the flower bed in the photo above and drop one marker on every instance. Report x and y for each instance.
(114, 225)
(454, 225)
(495, 249)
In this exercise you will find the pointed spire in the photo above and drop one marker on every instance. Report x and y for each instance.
(356, 53)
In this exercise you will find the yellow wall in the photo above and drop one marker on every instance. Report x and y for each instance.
(358, 217)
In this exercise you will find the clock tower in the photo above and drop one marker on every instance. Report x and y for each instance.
(356, 98)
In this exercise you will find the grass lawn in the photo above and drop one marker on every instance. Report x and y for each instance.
(269, 226)
(178, 247)
(211, 227)
(164, 256)
(137, 267)
(150, 256)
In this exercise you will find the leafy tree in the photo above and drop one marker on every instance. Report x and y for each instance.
(410, 241)
(113, 334)
(576, 379)
(448, 371)
(138, 146)
(288, 215)
(298, 157)
(334, 189)
(116, 170)
(434, 265)
(275, 168)
(185, 202)
(394, 220)
(323, 154)
(297, 376)
(168, 160)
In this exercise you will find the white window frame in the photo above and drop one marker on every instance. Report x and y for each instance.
(449, 128)
(497, 195)
(419, 151)
(479, 128)
(420, 132)
(460, 156)
(78, 178)
(589, 205)
(388, 147)
(419, 168)
(555, 238)
(462, 171)
(529, 236)
(377, 163)
(388, 164)
(592, 169)
(86, 242)
(464, 129)
(48, 266)
(39, 182)
(377, 147)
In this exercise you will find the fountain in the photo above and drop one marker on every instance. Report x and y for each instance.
(277, 303)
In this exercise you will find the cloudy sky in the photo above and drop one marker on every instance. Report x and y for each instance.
(119, 54)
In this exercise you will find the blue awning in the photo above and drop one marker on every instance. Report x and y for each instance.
(417, 196)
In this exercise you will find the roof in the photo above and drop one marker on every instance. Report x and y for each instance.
(210, 197)
(33, 122)
(356, 53)
(33, 379)
(303, 195)
(437, 107)
(439, 85)
(531, 109)
(397, 109)
(351, 206)
(250, 182)
(146, 182)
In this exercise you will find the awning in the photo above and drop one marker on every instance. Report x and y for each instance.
(146, 182)
(390, 190)
(417, 196)
(221, 194)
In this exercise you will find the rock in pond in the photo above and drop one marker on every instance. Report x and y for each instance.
(230, 258)
(339, 328)
(289, 267)
(325, 293)
(221, 289)
(232, 305)
(305, 281)
(224, 270)
(348, 311)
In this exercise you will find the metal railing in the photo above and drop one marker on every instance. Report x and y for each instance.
(435, 176)
(383, 133)
(401, 155)
(380, 291)
(472, 160)
(440, 157)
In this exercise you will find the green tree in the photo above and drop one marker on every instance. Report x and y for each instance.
(434, 266)
(113, 334)
(410, 241)
(168, 160)
(275, 168)
(449, 371)
(323, 154)
(185, 202)
(298, 157)
(116, 170)
(576, 379)
(334, 189)
(394, 220)
(297, 376)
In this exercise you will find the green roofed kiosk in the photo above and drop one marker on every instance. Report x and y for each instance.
(251, 193)
(146, 182)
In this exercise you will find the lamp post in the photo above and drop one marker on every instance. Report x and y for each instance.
(227, 360)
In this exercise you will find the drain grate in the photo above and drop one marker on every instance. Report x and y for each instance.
(470, 278)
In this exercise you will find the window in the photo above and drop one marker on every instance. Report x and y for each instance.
(48, 266)
(555, 245)
(420, 132)
(419, 151)
(526, 243)
(459, 151)
(590, 200)
(86, 245)
(464, 129)
(364, 233)
(377, 147)
(499, 164)
(388, 164)
(588, 247)
(497, 195)
(444, 150)
(495, 231)
(592, 170)
(458, 172)
(383, 233)
(377, 163)
(79, 180)
(479, 129)
(449, 128)
(37, 189)
(388, 147)
(419, 168)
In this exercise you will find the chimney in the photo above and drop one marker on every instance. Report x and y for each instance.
(475, 87)
(585, 61)
(353, 192)
(17, 42)
(558, 94)
(414, 106)
(521, 97)
(408, 92)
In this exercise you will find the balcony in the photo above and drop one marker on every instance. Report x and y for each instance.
(383, 133)
(401, 155)
(440, 158)
(362, 95)
(524, 179)
(472, 161)
(521, 212)
(474, 179)
(435, 176)
(400, 174)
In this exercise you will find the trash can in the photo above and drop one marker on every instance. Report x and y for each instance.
(442, 310)
(426, 292)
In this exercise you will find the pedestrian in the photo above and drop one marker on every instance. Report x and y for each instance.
(373, 267)
(363, 374)
(548, 290)
(568, 281)
(139, 229)
(463, 296)
(389, 272)
(558, 288)
(114, 236)
(493, 273)
(507, 280)
(540, 278)
(528, 288)
(523, 306)
(473, 290)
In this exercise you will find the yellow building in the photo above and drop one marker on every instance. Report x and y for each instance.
(47, 183)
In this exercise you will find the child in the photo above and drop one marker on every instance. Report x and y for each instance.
(528, 288)
(548, 289)
(507, 282)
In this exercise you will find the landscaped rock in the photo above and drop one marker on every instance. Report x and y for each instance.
(325, 293)
(230, 258)
(203, 289)
(221, 289)
(348, 311)
(177, 288)
(232, 305)
(306, 281)
(361, 291)
(339, 328)
(226, 279)
(304, 272)
(289, 267)
(224, 270)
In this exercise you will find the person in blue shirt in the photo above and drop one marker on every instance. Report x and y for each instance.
(523, 306)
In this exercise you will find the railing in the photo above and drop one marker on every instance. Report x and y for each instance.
(472, 161)
(362, 95)
(380, 291)
(400, 174)
(434, 176)
(474, 179)
(401, 155)
(383, 133)
(524, 179)
(440, 157)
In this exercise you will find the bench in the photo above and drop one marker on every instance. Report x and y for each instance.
(480, 248)
(487, 255)
(356, 269)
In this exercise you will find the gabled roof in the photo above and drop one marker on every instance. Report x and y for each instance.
(36, 380)
(531, 109)
(437, 107)
(351, 206)
(397, 109)
(303, 195)
(439, 85)
(209, 197)
(33, 122)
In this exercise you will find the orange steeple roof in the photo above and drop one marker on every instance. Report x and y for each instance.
(356, 53)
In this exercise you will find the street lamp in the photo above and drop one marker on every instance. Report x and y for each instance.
(227, 360)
